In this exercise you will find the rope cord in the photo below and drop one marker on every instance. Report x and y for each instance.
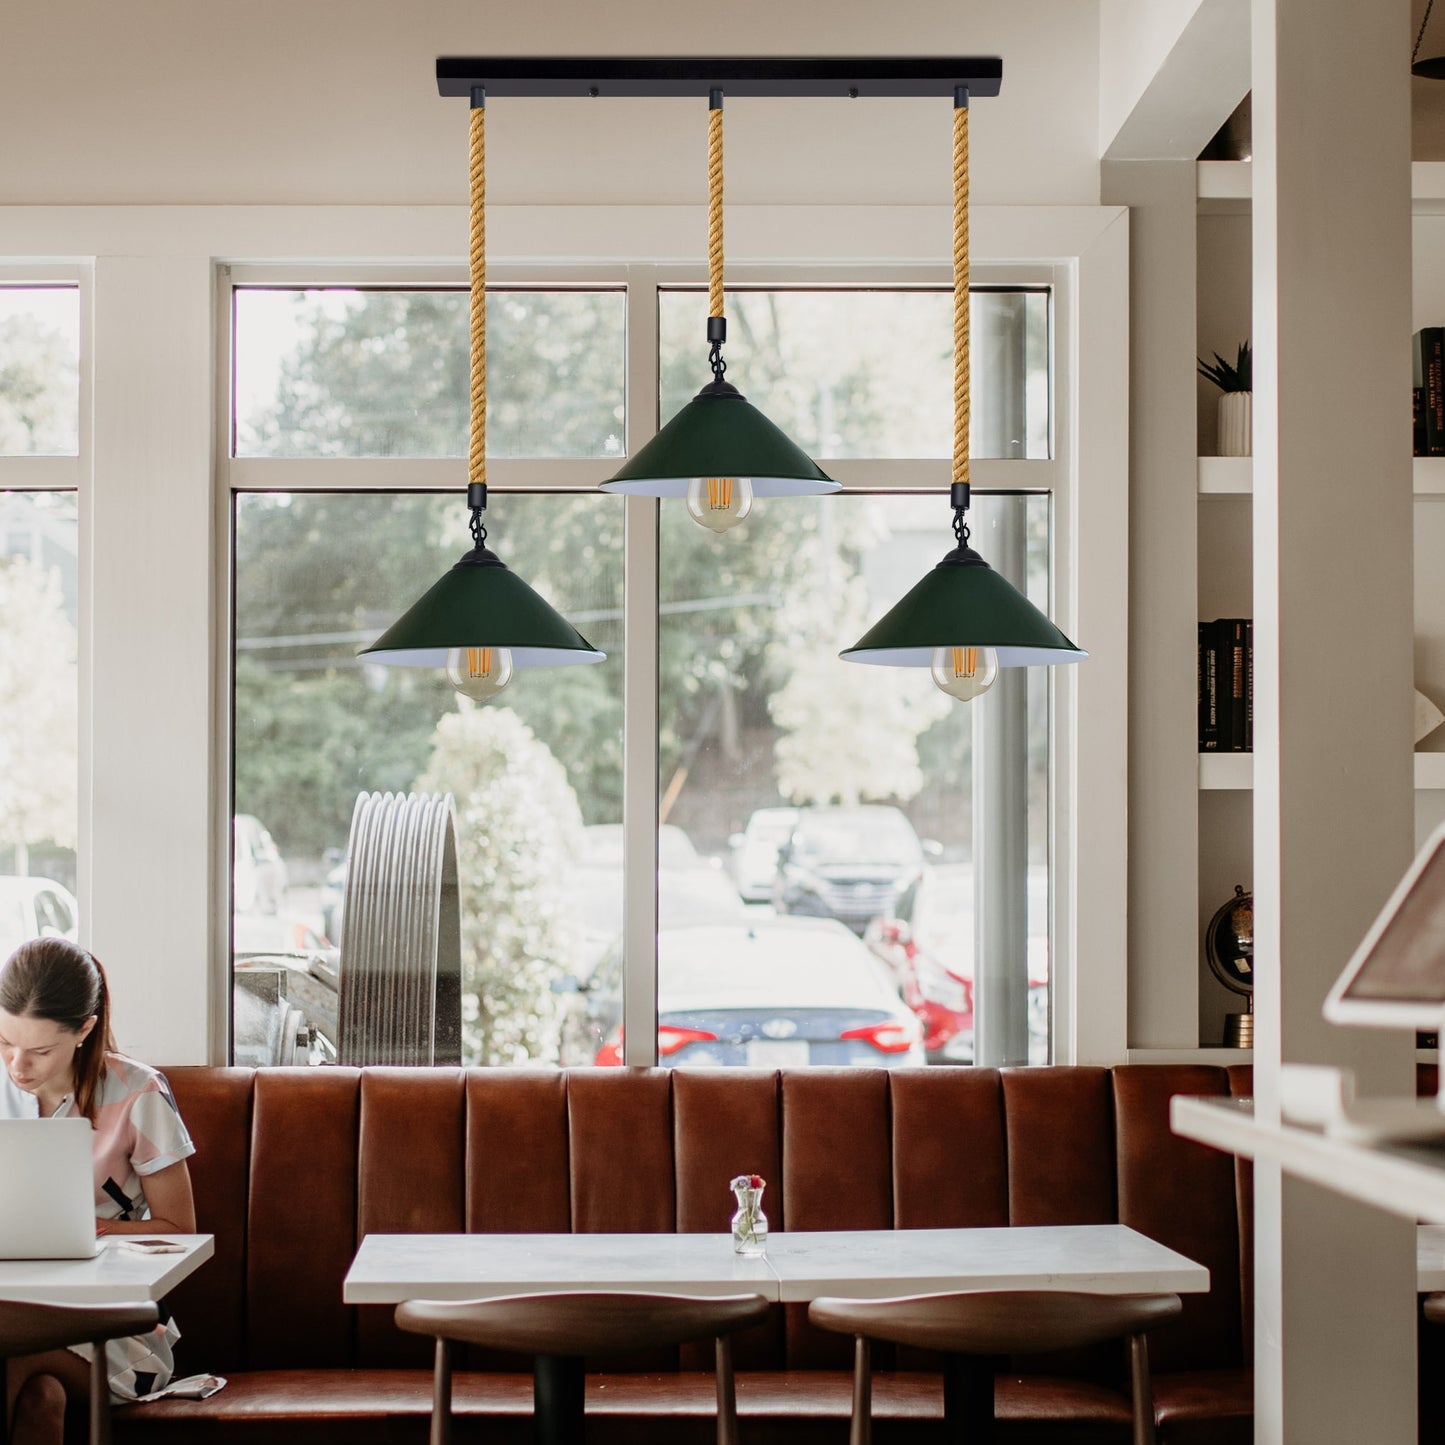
(477, 458)
(960, 294)
(715, 211)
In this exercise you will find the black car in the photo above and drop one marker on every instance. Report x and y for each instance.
(853, 864)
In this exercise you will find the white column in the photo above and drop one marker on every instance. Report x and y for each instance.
(1163, 593)
(147, 879)
(1333, 808)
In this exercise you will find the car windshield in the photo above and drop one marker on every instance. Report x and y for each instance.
(857, 838)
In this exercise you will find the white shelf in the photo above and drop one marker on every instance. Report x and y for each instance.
(1220, 1056)
(1231, 183)
(1403, 1180)
(1234, 476)
(1221, 772)
(1226, 476)
(1226, 770)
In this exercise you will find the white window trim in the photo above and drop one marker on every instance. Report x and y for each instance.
(171, 960)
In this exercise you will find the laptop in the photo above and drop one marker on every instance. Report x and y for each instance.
(1394, 979)
(47, 1189)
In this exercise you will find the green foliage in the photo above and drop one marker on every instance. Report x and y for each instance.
(1238, 377)
(519, 832)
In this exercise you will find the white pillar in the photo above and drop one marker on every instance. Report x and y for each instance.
(1333, 806)
(148, 890)
(1163, 593)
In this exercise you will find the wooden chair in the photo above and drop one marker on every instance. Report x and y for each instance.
(971, 1329)
(559, 1329)
(1433, 1307)
(32, 1329)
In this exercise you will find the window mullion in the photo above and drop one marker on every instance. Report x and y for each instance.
(640, 716)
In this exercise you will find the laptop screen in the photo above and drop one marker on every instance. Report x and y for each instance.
(1397, 975)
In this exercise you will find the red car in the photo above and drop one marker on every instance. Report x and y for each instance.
(932, 961)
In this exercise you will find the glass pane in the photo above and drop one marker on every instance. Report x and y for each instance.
(817, 902)
(870, 373)
(39, 692)
(347, 373)
(39, 371)
(533, 773)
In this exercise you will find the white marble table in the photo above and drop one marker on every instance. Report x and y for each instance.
(1097, 1258)
(113, 1276)
(877, 1263)
(389, 1268)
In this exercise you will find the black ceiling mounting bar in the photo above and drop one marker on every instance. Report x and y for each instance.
(838, 76)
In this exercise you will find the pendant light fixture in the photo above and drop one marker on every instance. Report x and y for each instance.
(480, 621)
(719, 451)
(963, 620)
(1433, 67)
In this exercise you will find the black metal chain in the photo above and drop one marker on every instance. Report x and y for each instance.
(1429, 6)
(960, 526)
(479, 529)
(715, 360)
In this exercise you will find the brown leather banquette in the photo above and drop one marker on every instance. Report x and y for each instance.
(294, 1167)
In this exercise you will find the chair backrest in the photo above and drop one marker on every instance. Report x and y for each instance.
(997, 1322)
(31, 1329)
(585, 1323)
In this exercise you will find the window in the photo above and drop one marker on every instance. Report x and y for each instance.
(816, 883)
(39, 371)
(38, 698)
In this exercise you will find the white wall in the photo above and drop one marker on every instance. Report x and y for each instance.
(171, 101)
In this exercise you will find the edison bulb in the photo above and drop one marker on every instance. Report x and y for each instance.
(964, 672)
(479, 672)
(718, 503)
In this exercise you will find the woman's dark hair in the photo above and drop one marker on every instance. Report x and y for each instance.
(57, 980)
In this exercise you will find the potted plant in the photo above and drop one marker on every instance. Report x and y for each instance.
(1235, 405)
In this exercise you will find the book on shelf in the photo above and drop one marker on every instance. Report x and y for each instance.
(1226, 685)
(1428, 364)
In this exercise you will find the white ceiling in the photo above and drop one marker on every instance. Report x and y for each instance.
(335, 101)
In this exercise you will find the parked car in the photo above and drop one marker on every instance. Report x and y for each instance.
(753, 853)
(762, 992)
(35, 908)
(258, 869)
(691, 889)
(931, 958)
(853, 864)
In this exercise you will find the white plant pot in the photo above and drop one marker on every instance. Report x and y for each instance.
(1236, 412)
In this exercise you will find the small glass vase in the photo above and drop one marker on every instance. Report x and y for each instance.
(750, 1224)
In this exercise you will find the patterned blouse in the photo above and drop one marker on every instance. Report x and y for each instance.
(138, 1131)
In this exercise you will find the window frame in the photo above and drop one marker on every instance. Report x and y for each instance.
(69, 474)
(642, 285)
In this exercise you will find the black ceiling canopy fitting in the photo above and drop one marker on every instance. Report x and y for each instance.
(842, 77)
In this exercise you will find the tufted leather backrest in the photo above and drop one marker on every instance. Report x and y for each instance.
(295, 1166)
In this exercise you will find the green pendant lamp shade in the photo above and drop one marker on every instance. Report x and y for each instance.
(480, 620)
(963, 602)
(481, 602)
(719, 433)
(963, 619)
(719, 451)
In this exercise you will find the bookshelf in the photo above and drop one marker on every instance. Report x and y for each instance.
(1224, 510)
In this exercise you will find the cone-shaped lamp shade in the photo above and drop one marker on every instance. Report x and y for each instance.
(963, 602)
(720, 434)
(480, 603)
